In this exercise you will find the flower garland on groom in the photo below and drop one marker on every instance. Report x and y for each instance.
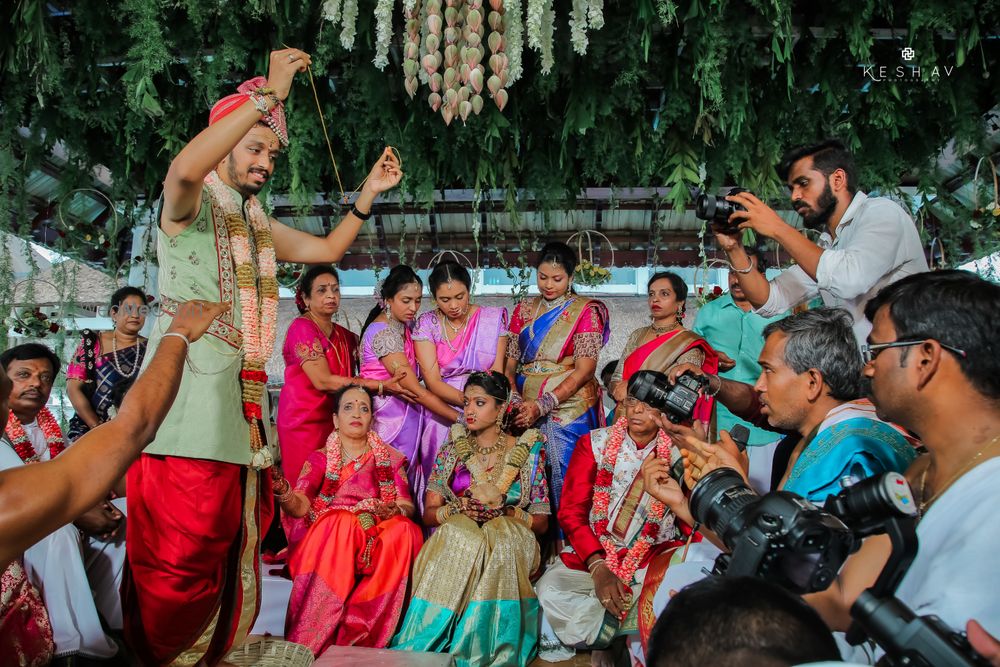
(199, 498)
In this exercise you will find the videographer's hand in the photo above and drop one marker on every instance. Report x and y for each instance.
(620, 391)
(758, 216)
(701, 458)
(725, 361)
(727, 242)
(611, 592)
(658, 482)
(678, 370)
(193, 318)
(679, 432)
(984, 643)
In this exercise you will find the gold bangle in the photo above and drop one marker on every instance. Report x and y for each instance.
(380, 387)
(442, 514)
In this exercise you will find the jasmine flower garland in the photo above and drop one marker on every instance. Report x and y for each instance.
(383, 32)
(534, 23)
(548, 28)
(595, 14)
(578, 26)
(331, 10)
(350, 17)
(514, 36)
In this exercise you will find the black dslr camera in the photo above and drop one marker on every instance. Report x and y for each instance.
(780, 537)
(786, 539)
(717, 210)
(675, 401)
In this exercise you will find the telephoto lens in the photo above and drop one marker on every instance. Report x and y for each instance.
(718, 500)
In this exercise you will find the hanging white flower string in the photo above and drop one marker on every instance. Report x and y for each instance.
(349, 23)
(383, 32)
(578, 26)
(548, 30)
(331, 11)
(595, 14)
(513, 24)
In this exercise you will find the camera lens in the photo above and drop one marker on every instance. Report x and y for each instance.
(646, 390)
(704, 206)
(718, 501)
(872, 500)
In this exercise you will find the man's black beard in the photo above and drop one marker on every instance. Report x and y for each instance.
(244, 188)
(826, 205)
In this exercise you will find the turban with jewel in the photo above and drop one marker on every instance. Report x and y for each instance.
(275, 120)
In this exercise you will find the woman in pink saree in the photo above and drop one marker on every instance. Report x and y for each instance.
(665, 342)
(386, 351)
(452, 342)
(351, 570)
(320, 358)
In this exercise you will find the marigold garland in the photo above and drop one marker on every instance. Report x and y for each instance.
(258, 309)
(624, 568)
(331, 479)
(22, 443)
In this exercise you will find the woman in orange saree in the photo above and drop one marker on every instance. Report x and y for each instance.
(350, 571)
(665, 343)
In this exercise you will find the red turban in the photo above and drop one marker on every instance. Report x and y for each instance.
(275, 120)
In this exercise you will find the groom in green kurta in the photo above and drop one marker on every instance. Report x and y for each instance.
(200, 496)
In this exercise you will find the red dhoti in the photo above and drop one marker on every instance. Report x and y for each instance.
(192, 580)
(336, 599)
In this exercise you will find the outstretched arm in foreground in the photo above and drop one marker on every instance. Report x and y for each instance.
(37, 499)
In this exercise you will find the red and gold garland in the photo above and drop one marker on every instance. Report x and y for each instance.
(22, 443)
(624, 568)
(258, 311)
(331, 479)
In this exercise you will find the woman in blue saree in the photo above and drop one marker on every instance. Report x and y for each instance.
(553, 345)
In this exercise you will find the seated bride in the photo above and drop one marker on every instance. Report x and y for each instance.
(487, 493)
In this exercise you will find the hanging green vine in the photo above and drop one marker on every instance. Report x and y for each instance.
(675, 93)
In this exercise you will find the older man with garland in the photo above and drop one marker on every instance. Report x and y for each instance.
(200, 496)
(613, 529)
(77, 568)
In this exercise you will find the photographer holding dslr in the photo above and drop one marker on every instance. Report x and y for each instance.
(934, 367)
(811, 384)
(865, 244)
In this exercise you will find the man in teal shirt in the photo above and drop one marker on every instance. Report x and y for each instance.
(729, 327)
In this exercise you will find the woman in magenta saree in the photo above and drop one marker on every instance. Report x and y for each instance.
(553, 345)
(453, 341)
(387, 352)
(665, 343)
(320, 357)
(351, 570)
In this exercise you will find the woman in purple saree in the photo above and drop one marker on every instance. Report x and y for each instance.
(452, 342)
(386, 352)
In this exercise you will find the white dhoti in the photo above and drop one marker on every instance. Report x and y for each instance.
(79, 578)
(572, 615)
